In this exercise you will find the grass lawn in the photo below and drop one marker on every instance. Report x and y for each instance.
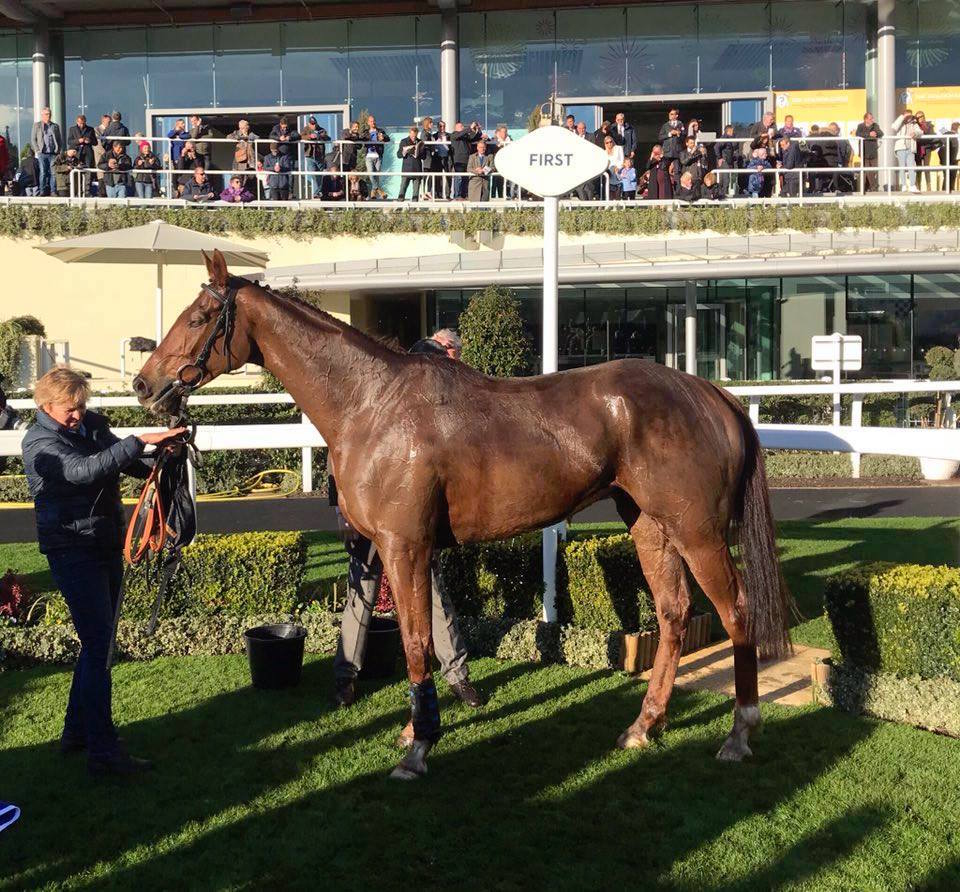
(810, 552)
(260, 790)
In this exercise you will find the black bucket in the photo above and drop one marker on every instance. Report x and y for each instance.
(276, 655)
(383, 647)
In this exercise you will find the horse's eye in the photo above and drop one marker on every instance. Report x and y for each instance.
(197, 323)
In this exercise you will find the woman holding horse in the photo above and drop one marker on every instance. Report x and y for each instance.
(73, 464)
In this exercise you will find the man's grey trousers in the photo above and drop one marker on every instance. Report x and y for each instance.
(364, 582)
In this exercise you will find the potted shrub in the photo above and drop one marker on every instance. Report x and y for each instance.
(943, 364)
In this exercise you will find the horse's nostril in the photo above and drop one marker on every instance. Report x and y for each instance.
(140, 387)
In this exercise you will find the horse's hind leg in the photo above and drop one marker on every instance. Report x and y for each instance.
(667, 579)
(713, 568)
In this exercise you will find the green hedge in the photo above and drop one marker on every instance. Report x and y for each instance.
(902, 620)
(59, 221)
(236, 575)
(931, 703)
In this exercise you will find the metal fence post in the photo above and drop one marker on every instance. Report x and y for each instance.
(856, 420)
(755, 409)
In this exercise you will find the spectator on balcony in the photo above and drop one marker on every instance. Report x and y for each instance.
(82, 137)
(115, 165)
(285, 137)
(178, 135)
(334, 188)
(145, 167)
(710, 189)
(868, 133)
(614, 163)
(671, 138)
(189, 159)
(245, 149)
(659, 182)
(628, 180)
(410, 151)
(27, 179)
(427, 139)
(905, 146)
(757, 185)
(693, 160)
(376, 140)
(570, 122)
(6, 172)
(464, 140)
(64, 164)
(277, 166)
(499, 188)
(765, 127)
(729, 158)
(789, 129)
(789, 158)
(605, 130)
(925, 151)
(479, 167)
(624, 135)
(200, 132)
(116, 132)
(314, 155)
(199, 188)
(47, 143)
(688, 190)
(236, 192)
(442, 162)
(101, 147)
(356, 188)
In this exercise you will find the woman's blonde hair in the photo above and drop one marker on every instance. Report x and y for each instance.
(62, 386)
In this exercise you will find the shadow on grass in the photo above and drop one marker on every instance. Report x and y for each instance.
(527, 794)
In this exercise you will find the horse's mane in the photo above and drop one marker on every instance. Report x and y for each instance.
(322, 316)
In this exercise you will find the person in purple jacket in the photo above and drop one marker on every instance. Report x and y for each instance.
(235, 193)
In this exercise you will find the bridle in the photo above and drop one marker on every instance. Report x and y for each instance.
(186, 381)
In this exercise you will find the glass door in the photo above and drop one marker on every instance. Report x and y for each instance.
(589, 114)
(711, 339)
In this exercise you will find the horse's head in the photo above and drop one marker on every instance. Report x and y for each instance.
(210, 337)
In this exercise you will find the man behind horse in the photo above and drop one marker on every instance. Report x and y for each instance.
(366, 570)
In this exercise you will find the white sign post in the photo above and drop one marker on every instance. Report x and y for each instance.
(551, 162)
(836, 353)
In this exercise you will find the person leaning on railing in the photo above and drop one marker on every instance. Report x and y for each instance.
(115, 165)
(83, 138)
(199, 188)
(63, 165)
(277, 166)
(73, 464)
(869, 133)
(145, 167)
(905, 147)
(245, 151)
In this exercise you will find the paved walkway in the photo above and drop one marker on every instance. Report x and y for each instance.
(786, 682)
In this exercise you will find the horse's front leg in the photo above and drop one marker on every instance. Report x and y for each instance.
(407, 566)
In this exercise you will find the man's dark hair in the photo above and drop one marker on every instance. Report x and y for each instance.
(284, 121)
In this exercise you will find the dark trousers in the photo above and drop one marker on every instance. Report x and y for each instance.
(45, 160)
(90, 582)
(460, 183)
(414, 182)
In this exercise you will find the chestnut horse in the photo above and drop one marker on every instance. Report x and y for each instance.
(430, 453)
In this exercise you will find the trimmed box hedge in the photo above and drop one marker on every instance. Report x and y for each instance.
(236, 575)
(902, 620)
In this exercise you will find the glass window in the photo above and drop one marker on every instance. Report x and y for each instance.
(517, 61)
(315, 63)
(428, 68)
(811, 307)
(854, 45)
(180, 64)
(936, 314)
(762, 328)
(113, 67)
(593, 52)
(573, 336)
(905, 21)
(383, 69)
(938, 50)
(734, 43)
(248, 64)
(473, 79)
(879, 310)
(664, 55)
(9, 93)
(644, 332)
(807, 45)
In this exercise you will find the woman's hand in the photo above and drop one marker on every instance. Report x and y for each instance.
(160, 436)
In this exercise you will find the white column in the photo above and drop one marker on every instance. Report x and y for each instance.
(690, 328)
(306, 457)
(55, 84)
(550, 337)
(41, 50)
(159, 304)
(449, 67)
(886, 82)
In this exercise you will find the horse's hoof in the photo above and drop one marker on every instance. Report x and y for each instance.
(630, 740)
(734, 750)
(406, 774)
(414, 764)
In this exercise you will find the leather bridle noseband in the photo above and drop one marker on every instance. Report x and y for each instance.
(185, 381)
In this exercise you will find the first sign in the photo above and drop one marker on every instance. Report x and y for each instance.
(551, 161)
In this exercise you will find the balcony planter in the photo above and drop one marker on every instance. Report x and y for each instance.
(638, 649)
(939, 468)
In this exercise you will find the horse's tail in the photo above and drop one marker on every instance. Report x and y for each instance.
(768, 600)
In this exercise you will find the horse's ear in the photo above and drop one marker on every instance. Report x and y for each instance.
(216, 267)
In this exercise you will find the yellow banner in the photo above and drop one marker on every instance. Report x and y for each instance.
(808, 107)
(941, 105)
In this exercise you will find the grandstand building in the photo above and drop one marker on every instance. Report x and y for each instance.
(499, 62)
